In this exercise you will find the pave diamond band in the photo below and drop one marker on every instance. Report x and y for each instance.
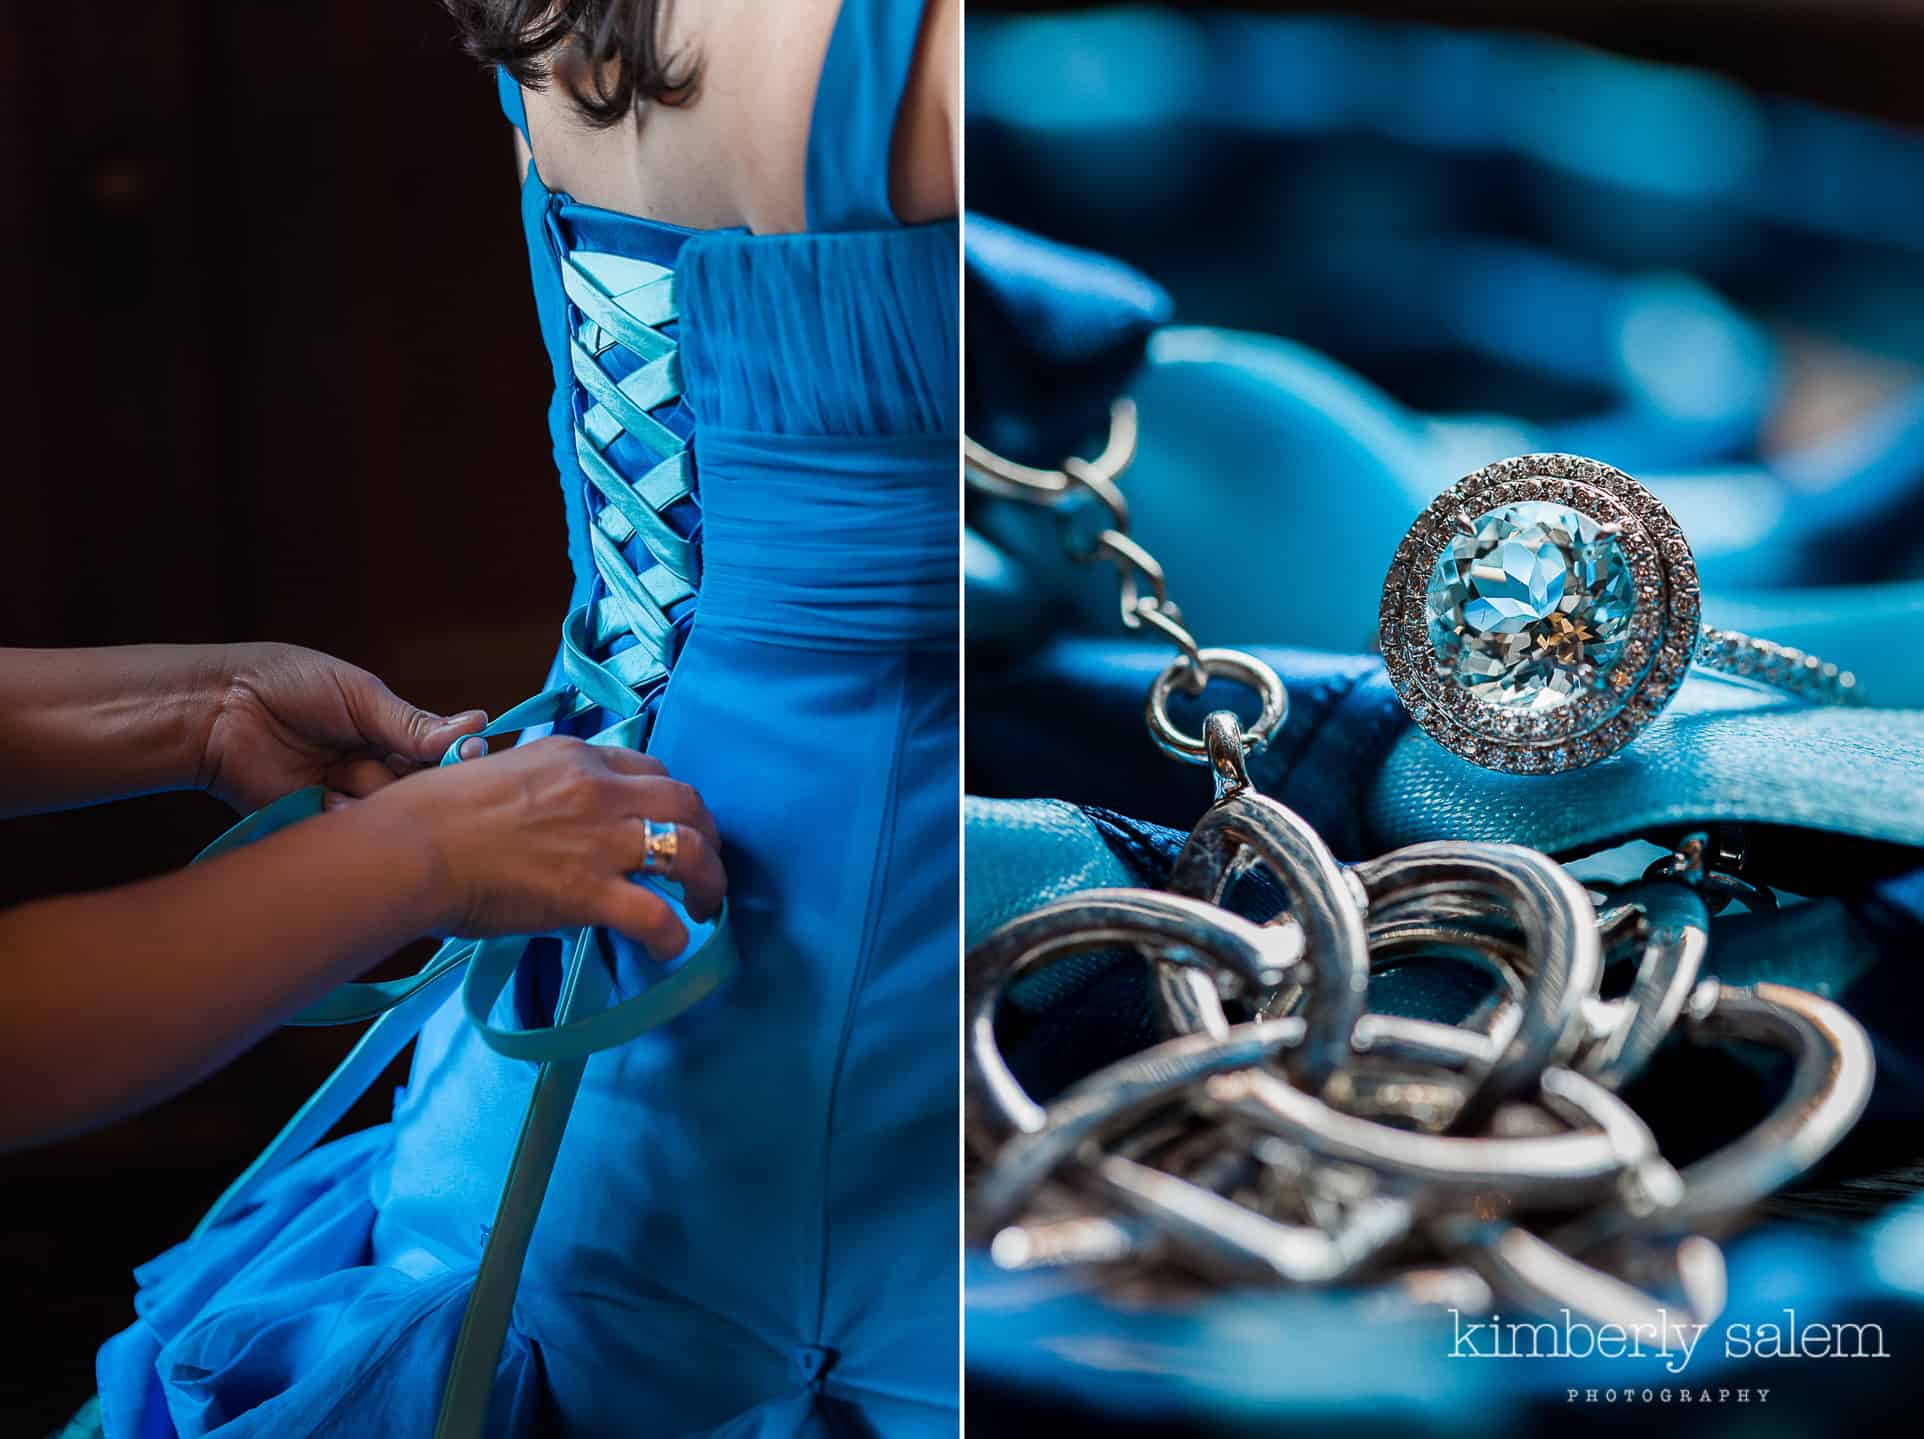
(1778, 666)
(1543, 610)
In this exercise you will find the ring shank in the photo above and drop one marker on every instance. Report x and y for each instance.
(1777, 667)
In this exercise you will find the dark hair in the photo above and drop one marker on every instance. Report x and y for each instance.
(608, 51)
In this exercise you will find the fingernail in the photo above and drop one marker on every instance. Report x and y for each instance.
(332, 800)
(473, 747)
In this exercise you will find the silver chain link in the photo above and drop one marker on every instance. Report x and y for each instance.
(1286, 1133)
(1142, 587)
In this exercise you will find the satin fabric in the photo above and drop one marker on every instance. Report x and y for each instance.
(750, 1227)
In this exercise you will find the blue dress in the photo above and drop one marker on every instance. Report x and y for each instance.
(751, 1223)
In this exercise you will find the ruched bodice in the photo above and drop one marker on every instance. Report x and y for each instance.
(841, 334)
(777, 515)
(749, 1228)
(821, 371)
(816, 390)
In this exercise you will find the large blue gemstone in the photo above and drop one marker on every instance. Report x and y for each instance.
(1531, 607)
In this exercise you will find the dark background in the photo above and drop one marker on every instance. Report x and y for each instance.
(1856, 55)
(269, 369)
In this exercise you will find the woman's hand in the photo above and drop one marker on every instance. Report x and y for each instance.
(289, 717)
(547, 834)
(183, 971)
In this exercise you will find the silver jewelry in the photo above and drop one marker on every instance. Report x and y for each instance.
(1142, 589)
(1284, 1133)
(1244, 828)
(1543, 610)
(660, 846)
(1265, 1181)
(1830, 1085)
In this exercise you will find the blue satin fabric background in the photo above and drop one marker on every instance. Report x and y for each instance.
(1420, 251)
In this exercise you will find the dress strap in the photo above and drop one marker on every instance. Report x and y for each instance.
(513, 104)
(856, 104)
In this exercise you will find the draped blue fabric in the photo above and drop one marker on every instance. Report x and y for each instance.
(750, 1226)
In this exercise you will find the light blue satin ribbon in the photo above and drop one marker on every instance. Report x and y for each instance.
(584, 1025)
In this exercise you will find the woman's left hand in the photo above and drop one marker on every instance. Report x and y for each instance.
(290, 717)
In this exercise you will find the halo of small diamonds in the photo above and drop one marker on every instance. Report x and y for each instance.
(1647, 667)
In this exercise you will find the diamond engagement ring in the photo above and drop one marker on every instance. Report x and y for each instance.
(1544, 609)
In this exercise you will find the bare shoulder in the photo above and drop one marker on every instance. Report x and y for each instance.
(734, 154)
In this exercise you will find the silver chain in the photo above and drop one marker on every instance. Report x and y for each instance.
(1142, 587)
(1284, 1133)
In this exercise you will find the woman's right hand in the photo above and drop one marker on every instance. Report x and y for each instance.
(546, 835)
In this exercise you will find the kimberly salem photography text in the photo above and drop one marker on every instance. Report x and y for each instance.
(1675, 1344)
